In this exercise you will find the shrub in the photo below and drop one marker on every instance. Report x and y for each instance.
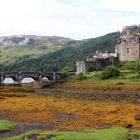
(109, 71)
(81, 76)
(137, 66)
(133, 65)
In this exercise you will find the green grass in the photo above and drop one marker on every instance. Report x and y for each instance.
(6, 126)
(126, 76)
(134, 134)
(115, 133)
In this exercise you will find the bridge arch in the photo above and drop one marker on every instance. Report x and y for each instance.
(34, 78)
(27, 80)
(45, 79)
(12, 77)
(8, 80)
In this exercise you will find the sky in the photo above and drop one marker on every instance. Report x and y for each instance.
(77, 19)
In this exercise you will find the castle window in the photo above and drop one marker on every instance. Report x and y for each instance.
(128, 50)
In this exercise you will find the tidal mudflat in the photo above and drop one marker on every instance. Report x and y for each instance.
(68, 109)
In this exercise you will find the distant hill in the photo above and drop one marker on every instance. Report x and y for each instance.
(14, 47)
(67, 56)
(33, 41)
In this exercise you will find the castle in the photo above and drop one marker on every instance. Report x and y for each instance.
(128, 48)
(96, 61)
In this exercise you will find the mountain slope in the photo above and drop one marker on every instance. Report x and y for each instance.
(65, 57)
(14, 47)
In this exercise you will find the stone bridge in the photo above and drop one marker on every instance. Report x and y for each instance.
(37, 76)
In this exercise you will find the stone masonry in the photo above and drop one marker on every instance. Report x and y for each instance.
(128, 47)
(96, 62)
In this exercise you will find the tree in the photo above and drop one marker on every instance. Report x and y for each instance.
(64, 72)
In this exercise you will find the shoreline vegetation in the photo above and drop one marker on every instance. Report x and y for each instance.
(114, 133)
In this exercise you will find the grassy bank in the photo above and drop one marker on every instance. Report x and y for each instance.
(6, 126)
(126, 77)
(115, 133)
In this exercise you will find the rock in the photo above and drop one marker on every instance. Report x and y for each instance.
(48, 137)
(32, 136)
(137, 117)
(129, 126)
(120, 83)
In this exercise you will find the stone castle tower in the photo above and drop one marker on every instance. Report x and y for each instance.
(128, 47)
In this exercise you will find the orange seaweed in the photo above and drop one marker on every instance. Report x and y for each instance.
(45, 109)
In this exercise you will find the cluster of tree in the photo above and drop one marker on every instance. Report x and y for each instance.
(66, 57)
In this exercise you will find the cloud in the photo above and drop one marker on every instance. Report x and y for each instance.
(120, 5)
(75, 19)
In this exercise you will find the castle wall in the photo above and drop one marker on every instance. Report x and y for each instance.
(128, 47)
(98, 64)
(80, 67)
(129, 51)
(89, 64)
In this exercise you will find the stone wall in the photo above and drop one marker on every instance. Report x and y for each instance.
(128, 47)
(130, 52)
(80, 66)
(98, 64)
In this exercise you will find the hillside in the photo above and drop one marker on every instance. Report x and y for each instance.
(55, 61)
(30, 46)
